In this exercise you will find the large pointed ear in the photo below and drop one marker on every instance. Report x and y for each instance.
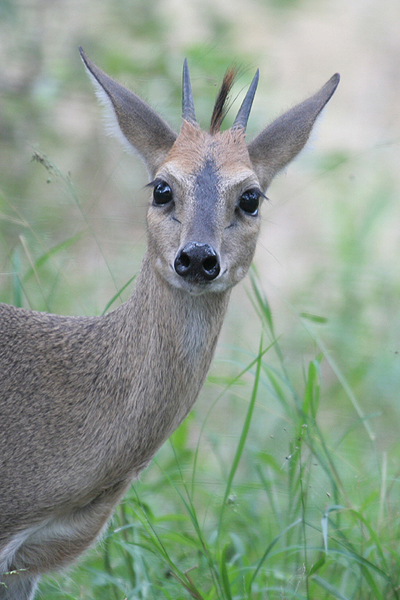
(281, 141)
(131, 119)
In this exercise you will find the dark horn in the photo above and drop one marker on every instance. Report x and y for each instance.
(187, 96)
(244, 110)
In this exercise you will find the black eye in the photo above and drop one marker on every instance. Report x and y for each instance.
(162, 193)
(249, 201)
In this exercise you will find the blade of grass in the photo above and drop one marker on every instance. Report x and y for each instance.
(224, 574)
(189, 505)
(118, 294)
(226, 388)
(262, 308)
(329, 588)
(325, 523)
(161, 552)
(16, 279)
(25, 223)
(243, 436)
(52, 169)
(39, 262)
(340, 377)
(34, 270)
(268, 550)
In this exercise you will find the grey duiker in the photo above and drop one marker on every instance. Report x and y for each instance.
(85, 402)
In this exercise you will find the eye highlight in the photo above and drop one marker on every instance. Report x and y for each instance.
(162, 193)
(249, 201)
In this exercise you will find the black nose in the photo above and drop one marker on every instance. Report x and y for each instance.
(197, 262)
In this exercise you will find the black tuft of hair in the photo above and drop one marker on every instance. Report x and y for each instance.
(220, 108)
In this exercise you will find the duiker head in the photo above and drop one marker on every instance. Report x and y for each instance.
(204, 218)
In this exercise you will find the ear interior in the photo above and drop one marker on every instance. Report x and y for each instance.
(283, 139)
(131, 120)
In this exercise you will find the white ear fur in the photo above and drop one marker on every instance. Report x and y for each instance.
(110, 120)
(131, 120)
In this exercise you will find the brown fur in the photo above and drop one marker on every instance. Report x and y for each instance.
(193, 146)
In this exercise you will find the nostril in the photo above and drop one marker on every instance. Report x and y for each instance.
(197, 262)
(211, 266)
(182, 263)
(209, 263)
(185, 260)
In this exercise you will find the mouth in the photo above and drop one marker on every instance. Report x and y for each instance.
(197, 285)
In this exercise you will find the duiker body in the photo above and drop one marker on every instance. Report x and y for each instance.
(85, 402)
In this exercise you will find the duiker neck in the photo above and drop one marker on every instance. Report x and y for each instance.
(167, 341)
(188, 321)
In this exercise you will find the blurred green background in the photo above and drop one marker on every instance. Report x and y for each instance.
(73, 203)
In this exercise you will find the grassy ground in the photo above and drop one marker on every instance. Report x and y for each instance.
(284, 480)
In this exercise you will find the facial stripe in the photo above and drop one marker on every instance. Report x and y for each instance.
(206, 194)
(206, 184)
